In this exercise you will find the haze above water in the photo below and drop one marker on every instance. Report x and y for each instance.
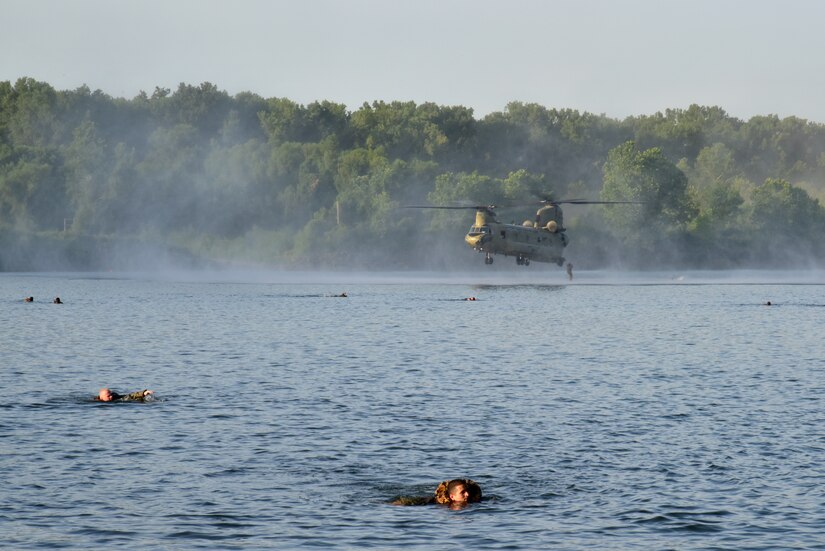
(656, 410)
(539, 274)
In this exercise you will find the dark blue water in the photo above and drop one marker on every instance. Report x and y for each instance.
(656, 411)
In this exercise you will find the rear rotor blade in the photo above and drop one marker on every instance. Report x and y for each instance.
(584, 202)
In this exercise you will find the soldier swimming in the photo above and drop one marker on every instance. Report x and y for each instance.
(456, 494)
(108, 395)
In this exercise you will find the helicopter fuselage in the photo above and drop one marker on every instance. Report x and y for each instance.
(542, 241)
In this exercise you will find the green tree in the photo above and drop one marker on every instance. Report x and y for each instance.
(714, 164)
(452, 188)
(661, 188)
(682, 133)
(786, 223)
(87, 168)
(234, 194)
(716, 187)
(162, 197)
(412, 132)
(523, 186)
(32, 191)
(203, 108)
(31, 115)
(282, 121)
(563, 144)
(305, 178)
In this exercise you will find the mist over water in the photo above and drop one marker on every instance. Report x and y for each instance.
(619, 410)
(484, 275)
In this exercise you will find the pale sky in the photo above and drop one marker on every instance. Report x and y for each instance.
(619, 58)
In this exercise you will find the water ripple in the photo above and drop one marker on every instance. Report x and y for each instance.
(593, 416)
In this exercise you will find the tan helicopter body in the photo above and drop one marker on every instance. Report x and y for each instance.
(542, 240)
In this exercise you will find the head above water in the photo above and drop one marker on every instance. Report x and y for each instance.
(459, 491)
(105, 395)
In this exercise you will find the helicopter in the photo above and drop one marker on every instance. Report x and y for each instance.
(541, 240)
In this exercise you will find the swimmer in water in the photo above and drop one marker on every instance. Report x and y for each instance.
(57, 300)
(108, 395)
(471, 298)
(456, 493)
(28, 299)
(768, 303)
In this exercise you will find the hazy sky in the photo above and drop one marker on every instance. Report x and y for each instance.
(619, 57)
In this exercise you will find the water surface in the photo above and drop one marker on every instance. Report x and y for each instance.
(620, 411)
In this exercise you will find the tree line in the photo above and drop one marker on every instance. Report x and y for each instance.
(267, 180)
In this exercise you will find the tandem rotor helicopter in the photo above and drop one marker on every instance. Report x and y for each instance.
(541, 240)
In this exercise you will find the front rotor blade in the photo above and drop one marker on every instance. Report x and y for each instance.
(476, 207)
(434, 207)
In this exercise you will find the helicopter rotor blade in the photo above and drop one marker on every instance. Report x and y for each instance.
(585, 202)
(490, 208)
(434, 207)
(475, 207)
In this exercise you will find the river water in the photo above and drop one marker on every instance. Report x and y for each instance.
(656, 411)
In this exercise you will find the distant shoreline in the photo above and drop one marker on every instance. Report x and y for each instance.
(464, 277)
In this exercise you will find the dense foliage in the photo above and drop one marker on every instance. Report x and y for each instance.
(249, 179)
